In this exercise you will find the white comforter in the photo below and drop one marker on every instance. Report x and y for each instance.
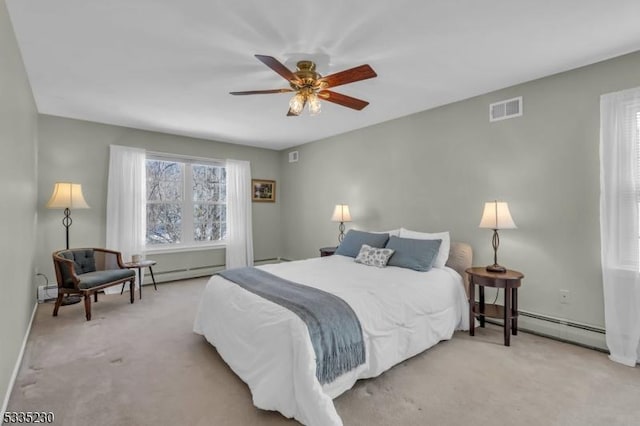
(402, 313)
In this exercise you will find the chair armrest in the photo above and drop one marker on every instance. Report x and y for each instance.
(60, 263)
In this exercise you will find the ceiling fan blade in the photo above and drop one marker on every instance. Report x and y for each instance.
(261, 92)
(344, 100)
(278, 67)
(351, 75)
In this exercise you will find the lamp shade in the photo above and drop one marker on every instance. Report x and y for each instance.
(496, 215)
(341, 213)
(67, 195)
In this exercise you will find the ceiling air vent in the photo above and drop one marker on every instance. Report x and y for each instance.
(505, 109)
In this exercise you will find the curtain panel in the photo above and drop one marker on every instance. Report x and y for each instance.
(619, 197)
(126, 204)
(239, 248)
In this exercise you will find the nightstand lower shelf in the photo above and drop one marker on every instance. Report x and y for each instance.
(490, 311)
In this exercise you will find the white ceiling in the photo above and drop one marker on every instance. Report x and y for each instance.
(168, 65)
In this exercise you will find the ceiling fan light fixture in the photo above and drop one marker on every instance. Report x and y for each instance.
(314, 104)
(296, 104)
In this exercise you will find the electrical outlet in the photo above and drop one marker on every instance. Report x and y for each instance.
(565, 298)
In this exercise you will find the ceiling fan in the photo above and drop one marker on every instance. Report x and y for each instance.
(309, 86)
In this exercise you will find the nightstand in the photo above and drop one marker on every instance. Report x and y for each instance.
(509, 281)
(327, 251)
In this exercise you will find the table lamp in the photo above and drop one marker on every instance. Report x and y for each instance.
(341, 214)
(496, 216)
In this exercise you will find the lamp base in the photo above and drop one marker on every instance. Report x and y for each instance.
(496, 268)
(70, 300)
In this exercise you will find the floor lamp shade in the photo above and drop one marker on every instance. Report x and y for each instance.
(496, 216)
(67, 196)
(341, 214)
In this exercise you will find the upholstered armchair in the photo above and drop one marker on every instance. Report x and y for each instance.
(86, 271)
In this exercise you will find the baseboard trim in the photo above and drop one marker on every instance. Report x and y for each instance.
(16, 368)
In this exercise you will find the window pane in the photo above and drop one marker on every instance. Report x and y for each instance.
(209, 222)
(164, 223)
(170, 196)
(164, 180)
(209, 183)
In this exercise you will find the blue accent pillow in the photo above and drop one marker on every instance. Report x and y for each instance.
(418, 255)
(354, 240)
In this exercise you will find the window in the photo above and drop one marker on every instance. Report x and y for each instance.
(186, 202)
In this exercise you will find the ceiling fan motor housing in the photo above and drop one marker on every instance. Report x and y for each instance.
(307, 75)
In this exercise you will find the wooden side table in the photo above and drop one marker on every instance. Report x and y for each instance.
(327, 251)
(509, 281)
(139, 266)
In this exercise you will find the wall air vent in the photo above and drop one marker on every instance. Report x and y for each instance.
(293, 156)
(505, 109)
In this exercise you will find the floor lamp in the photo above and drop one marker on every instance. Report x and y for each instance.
(67, 196)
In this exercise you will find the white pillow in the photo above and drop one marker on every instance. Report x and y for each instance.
(392, 233)
(443, 252)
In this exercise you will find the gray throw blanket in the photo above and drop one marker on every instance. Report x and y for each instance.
(336, 334)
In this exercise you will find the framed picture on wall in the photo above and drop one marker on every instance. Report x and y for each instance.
(263, 190)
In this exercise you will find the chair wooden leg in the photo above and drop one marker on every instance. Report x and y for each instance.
(87, 306)
(95, 296)
(58, 303)
(132, 293)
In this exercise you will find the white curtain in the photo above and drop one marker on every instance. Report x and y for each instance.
(126, 203)
(239, 250)
(619, 189)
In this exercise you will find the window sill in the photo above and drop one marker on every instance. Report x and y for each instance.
(184, 248)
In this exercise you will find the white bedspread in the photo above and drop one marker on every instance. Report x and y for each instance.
(402, 313)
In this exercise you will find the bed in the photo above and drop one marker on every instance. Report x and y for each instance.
(402, 312)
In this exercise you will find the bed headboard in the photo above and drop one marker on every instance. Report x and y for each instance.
(461, 258)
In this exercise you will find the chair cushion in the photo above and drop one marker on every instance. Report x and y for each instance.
(98, 278)
(83, 260)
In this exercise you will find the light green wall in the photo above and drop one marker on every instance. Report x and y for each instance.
(78, 151)
(434, 170)
(18, 174)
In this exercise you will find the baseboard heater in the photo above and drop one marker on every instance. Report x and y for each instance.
(50, 291)
(560, 329)
(47, 292)
(194, 272)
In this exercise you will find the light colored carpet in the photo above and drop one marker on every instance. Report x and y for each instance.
(141, 364)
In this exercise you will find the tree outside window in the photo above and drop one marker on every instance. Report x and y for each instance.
(186, 203)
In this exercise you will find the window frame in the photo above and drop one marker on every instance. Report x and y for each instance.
(635, 111)
(187, 205)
